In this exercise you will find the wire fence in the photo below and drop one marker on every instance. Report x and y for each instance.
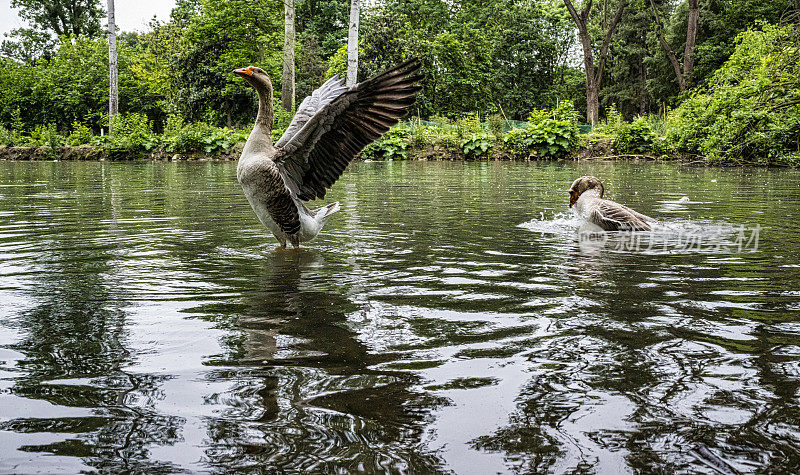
(507, 125)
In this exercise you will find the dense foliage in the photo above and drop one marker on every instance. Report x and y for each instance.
(640, 79)
(48, 20)
(751, 108)
(482, 56)
(497, 60)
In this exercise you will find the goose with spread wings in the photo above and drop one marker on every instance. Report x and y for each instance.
(331, 127)
(586, 194)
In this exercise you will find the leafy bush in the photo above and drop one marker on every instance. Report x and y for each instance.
(467, 126)
(496, 124)
(537, 116)
(204, 137)
(611, 123)
(438, 131)
(172, 126)
(477, 145)
(419, 135)
(657, 123)
(565, 110)
(9, 137)
(45, 136)
(550, 134)
(81, 134)
(751, 109)
(635, 137)
(337, 63)
(131, 133)
(392, 146)
(280, 120)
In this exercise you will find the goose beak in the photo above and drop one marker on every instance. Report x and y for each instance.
(243, 72)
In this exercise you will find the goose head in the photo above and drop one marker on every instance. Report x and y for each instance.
(583, 184)
(256, 77)
(262, 131)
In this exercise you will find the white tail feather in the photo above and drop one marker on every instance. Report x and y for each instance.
(325, 211)
(311, 222)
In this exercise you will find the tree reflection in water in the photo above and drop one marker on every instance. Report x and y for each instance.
(75, 351)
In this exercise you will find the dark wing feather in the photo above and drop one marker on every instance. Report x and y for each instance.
(316, 155)
(613, 216)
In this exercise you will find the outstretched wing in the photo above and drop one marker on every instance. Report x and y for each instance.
(316, 155)
(321, 97)
(613, 216)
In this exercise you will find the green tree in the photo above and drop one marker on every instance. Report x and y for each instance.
(684, 70)
(225, 35)
(593, 48)
(49, 19)
(630, 66)
(325, 21)
(486, 56)
(321, 26)
(73, 86)
(530, 57)
(28, 45)
(751, 111)
(63, 17)
(722, 21)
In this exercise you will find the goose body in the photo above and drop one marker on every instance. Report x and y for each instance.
(330, 128)
(586, 194)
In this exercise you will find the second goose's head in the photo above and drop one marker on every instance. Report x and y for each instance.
(583, 184)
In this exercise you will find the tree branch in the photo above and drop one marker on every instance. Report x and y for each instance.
(607, 39)
(667, 49)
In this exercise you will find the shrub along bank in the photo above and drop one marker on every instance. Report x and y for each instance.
(133, 137)
(749, 113)
(546, 135)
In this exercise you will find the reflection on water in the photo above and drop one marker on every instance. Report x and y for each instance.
(451, 318)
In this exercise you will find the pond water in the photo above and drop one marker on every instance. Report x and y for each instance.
(452, 317)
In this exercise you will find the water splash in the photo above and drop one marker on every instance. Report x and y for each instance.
(564, 223)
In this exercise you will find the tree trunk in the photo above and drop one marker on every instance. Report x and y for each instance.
(682, 73)
(287, 81)
(642, 86)
(593, 104)
(594, 75)
(691, 39)
(352, 44)
(113, 89)
(588, 66)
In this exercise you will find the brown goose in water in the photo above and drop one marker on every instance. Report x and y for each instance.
(330, 128)
(586, 193)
